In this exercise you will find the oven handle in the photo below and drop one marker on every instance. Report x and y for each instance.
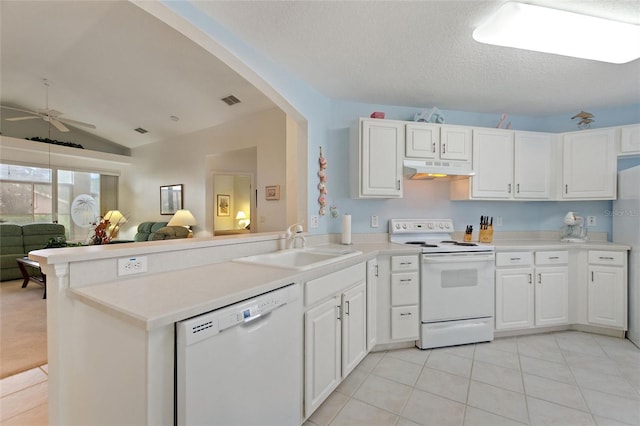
(457, 258)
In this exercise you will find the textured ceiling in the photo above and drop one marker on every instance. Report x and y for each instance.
(421, 53)
(119, 68)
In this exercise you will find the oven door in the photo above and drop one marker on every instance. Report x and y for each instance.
(457, 286)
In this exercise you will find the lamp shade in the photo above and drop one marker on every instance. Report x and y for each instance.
(241, 215)
(182, 218)
(115, 217)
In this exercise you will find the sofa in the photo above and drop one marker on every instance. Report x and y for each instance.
(154, 231)
(18, 240)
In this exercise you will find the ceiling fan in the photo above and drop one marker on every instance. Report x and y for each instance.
(51, 116)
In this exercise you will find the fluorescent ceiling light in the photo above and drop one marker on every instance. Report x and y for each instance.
(541, 29)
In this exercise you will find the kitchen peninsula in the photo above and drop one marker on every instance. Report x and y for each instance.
(106, 331)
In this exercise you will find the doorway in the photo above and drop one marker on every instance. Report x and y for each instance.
(234, 206)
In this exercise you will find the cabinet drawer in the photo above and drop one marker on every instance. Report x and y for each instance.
(552, 257)
(329, 285)
(514, 258)
(601, 257)
(404, 263)
(404, 288)
(404, 322)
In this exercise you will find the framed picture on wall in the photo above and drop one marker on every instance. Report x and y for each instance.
(171, 199)
(272, 192)
(223, 203)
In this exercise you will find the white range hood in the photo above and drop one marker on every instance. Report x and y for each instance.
(432, 169)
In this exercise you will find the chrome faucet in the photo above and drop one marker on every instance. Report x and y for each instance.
(294, 234)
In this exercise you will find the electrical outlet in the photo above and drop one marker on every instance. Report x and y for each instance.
(591, 221)
(132, 265)
(374, 221)
(314, 221)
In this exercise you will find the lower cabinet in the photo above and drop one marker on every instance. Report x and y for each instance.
(335, 339)
(607, 289)
(531, 296)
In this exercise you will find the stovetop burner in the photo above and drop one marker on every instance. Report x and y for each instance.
(432, 235)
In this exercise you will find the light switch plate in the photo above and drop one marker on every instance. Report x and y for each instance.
(374, 221)
(314, 221)
(591, 221)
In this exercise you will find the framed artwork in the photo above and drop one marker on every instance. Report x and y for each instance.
(170, 199)
(272, 192)
(223, 203)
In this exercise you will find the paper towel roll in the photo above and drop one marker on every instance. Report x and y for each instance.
(346, 229)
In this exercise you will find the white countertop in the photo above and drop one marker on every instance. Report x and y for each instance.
(157, 300)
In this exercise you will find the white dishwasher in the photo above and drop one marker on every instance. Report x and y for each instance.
(242, 364)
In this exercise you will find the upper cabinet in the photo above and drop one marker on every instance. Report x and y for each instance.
(434, 141)
(377, 152)
(629, 140)
(509, 165)
(589, 165)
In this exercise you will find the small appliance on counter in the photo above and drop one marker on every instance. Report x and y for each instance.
(574, 230)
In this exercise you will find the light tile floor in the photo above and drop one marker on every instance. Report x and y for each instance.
(565, 378)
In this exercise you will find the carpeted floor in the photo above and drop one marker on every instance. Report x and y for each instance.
(23, 327)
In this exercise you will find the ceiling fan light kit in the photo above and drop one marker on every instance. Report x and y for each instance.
(540, 29)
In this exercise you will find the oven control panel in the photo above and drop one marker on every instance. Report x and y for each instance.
(420, 226)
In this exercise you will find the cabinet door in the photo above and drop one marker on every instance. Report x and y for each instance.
(552, 296)
(382, 148)
(514, 298)
(630, 140)
(607, 296)
(372, 282)
(493, 164)
(532, 165)
(322, 342)
(354, 327)
(455, 143)
(422, 140)
(589, 165)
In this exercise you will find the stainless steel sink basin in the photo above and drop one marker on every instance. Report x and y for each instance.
(299, 259)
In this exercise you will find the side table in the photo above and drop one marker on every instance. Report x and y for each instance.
(23, 262)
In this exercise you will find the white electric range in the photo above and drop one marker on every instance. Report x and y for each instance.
(457, 283)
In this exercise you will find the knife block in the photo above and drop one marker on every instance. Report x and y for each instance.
(486, 235)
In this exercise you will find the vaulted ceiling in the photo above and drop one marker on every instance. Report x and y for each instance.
(115, 66)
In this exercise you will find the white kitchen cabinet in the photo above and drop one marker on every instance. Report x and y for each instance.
(532, 296)
(493, 164)
(532, 165)
(514, 298)
(589, 165)
(322, 344)
(372, 283)
(377, 152)
(335, 338)
(607, 289)
(398, 299)
(441, 142)
(629, 140)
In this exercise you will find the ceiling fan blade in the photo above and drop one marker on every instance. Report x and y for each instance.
(58, 125)
(21, 118)
(75, 122)
(20, 110)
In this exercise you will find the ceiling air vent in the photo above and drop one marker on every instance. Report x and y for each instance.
(141, 130)
(230, 100)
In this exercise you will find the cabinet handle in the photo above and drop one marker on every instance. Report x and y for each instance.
(433, 147)
(406, 263)
(509, 188)
(605, 258)
(376, 274)
(346, 307)
(566, 189)
(338, 312)
(444, 148)
(554, 257)
(398, 184)
(539, 278)
(514, 258)
(591, 276)
(406, 280)
(404, 314)
(518, 188)
(530, 278)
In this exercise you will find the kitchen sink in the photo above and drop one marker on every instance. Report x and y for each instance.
(300, 259)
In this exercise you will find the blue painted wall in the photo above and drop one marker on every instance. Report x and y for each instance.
(329, 123)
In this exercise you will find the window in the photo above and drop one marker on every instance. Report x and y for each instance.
(29, 194)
